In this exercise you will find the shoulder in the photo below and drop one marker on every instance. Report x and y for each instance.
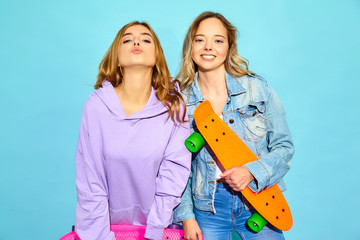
(176, 84)
(185, 95)
(253, 78)
(177, 91)
(255, 81)
(255, 86)
(92, 104)
(192, 93)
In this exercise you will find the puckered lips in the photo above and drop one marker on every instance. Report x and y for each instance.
(136, 50)
(208, 57)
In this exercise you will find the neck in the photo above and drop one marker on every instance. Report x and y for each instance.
(136, 85)
(212, 82)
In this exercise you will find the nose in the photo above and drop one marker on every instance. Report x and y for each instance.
(208, 46)
(136, 42)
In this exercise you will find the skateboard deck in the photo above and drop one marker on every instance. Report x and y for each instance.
(231, 151)
(132, 232)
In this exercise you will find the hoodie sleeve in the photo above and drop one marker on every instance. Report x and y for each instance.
(170, 183)
(92, 212)
(185, 210)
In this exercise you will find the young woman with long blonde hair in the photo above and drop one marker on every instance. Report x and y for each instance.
(131, 162)
(212, 205)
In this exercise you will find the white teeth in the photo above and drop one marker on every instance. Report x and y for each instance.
(207, 56)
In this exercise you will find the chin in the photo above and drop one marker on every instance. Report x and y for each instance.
(140, 63)
(207, 68)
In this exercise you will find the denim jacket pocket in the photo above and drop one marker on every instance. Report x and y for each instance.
(254, 121)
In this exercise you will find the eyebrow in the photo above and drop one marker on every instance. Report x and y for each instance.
(216, 35)
(144, 33)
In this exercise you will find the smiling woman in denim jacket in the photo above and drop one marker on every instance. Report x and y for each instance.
(212, 70)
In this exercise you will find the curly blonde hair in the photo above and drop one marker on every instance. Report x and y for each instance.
(235, 65)
(166, 90)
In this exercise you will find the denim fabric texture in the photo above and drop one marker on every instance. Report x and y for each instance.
(231, 215)
(254, 112)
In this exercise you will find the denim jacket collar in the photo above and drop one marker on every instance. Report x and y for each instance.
(233, 86)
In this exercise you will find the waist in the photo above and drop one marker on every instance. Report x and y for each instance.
(220, 180)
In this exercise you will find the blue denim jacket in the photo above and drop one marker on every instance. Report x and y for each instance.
(254, 112)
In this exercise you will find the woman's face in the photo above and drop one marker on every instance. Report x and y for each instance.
(137, 48)
(210, 45)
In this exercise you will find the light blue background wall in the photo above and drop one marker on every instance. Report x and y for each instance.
(50, 50)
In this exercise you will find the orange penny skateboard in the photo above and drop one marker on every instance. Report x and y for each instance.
(231, 151)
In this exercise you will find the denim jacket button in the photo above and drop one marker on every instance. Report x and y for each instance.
(231, 121)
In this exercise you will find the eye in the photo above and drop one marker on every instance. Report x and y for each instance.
(146, 41)
(219, 41)
(126, 40)
(198, 40)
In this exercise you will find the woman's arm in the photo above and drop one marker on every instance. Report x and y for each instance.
(273, 166)
(170, 182)
(185, 210)
(184, 213)
(92, 212)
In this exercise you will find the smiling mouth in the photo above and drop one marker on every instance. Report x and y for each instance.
(208, 57)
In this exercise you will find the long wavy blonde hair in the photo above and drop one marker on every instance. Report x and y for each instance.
(235, 65)
(166, 90)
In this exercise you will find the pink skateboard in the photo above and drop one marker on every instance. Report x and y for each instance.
(132, 232)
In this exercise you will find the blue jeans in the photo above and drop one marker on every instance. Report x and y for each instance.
(231, 215)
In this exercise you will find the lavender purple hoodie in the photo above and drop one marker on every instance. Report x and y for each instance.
(129, 170)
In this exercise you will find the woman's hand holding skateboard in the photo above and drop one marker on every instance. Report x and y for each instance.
(238, 178)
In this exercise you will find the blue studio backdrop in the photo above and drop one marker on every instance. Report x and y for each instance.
(50, 50)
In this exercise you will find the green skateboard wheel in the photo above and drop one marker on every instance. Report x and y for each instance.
(194, 142)
(256, 222)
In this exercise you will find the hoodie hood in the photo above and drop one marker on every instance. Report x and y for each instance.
(108, 96)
